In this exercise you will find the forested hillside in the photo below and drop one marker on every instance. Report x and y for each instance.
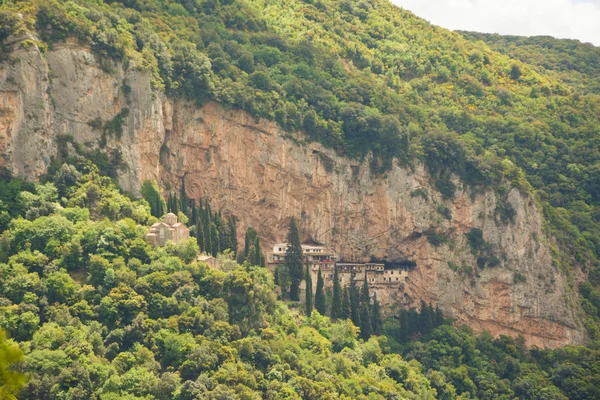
(362, 77)
(99, 314)
(576, 64)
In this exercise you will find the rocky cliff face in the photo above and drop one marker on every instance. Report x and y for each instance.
(252, 169)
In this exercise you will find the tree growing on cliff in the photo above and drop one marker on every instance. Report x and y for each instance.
(294, 260)
(309, 292)
(336, 303)
(320, 302)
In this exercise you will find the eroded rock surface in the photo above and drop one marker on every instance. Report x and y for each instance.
(254, 170)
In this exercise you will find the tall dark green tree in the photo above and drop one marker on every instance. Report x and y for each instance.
(233, 234)
(258, 258)
(365, 311)
(439, 317)
(346, 308)
(355, 305)
(250, 240)
(365, 297)
(213, 244)
(151, 194)
(376, 321)
(200, 237)
(170, 203)
(404, 331)
(320, 301)
(426, 318)
(174, 204)
(193, 213)
(309, 292)
(294, 260)
(336, 302)
(365, 321)
(183, 198)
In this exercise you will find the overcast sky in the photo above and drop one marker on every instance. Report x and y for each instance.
(573, 19)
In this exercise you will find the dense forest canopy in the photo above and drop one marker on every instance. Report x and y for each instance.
(99, 314)
(94, 312)
(576, 64)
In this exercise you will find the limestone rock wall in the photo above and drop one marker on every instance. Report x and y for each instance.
(254, 170)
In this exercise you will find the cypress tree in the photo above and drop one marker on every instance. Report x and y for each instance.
(208, 239)
(193, 213)
(200, 237)
(365, 321)
(207, 214)
(175, 204)
(404, 327)
(294, 260)
(250, 240)
(309, 292)
(320, 302)
(376, 323)
(413, 321)
(157, 208)
(223, 243)
(233, 234)
(214, 239)
(259, 256)
(355, 305)
(170, 203)
(336, 303)
(184, 198)
(252, 255)
(425, 319)
(365, 291)
(439, 317)
(346, 309)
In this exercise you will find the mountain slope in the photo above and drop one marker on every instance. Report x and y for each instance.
(363, 78)
(577, 64)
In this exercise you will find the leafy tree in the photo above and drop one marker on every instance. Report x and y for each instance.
(12, 380)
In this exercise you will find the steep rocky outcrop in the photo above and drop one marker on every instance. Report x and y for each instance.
(253, 169)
